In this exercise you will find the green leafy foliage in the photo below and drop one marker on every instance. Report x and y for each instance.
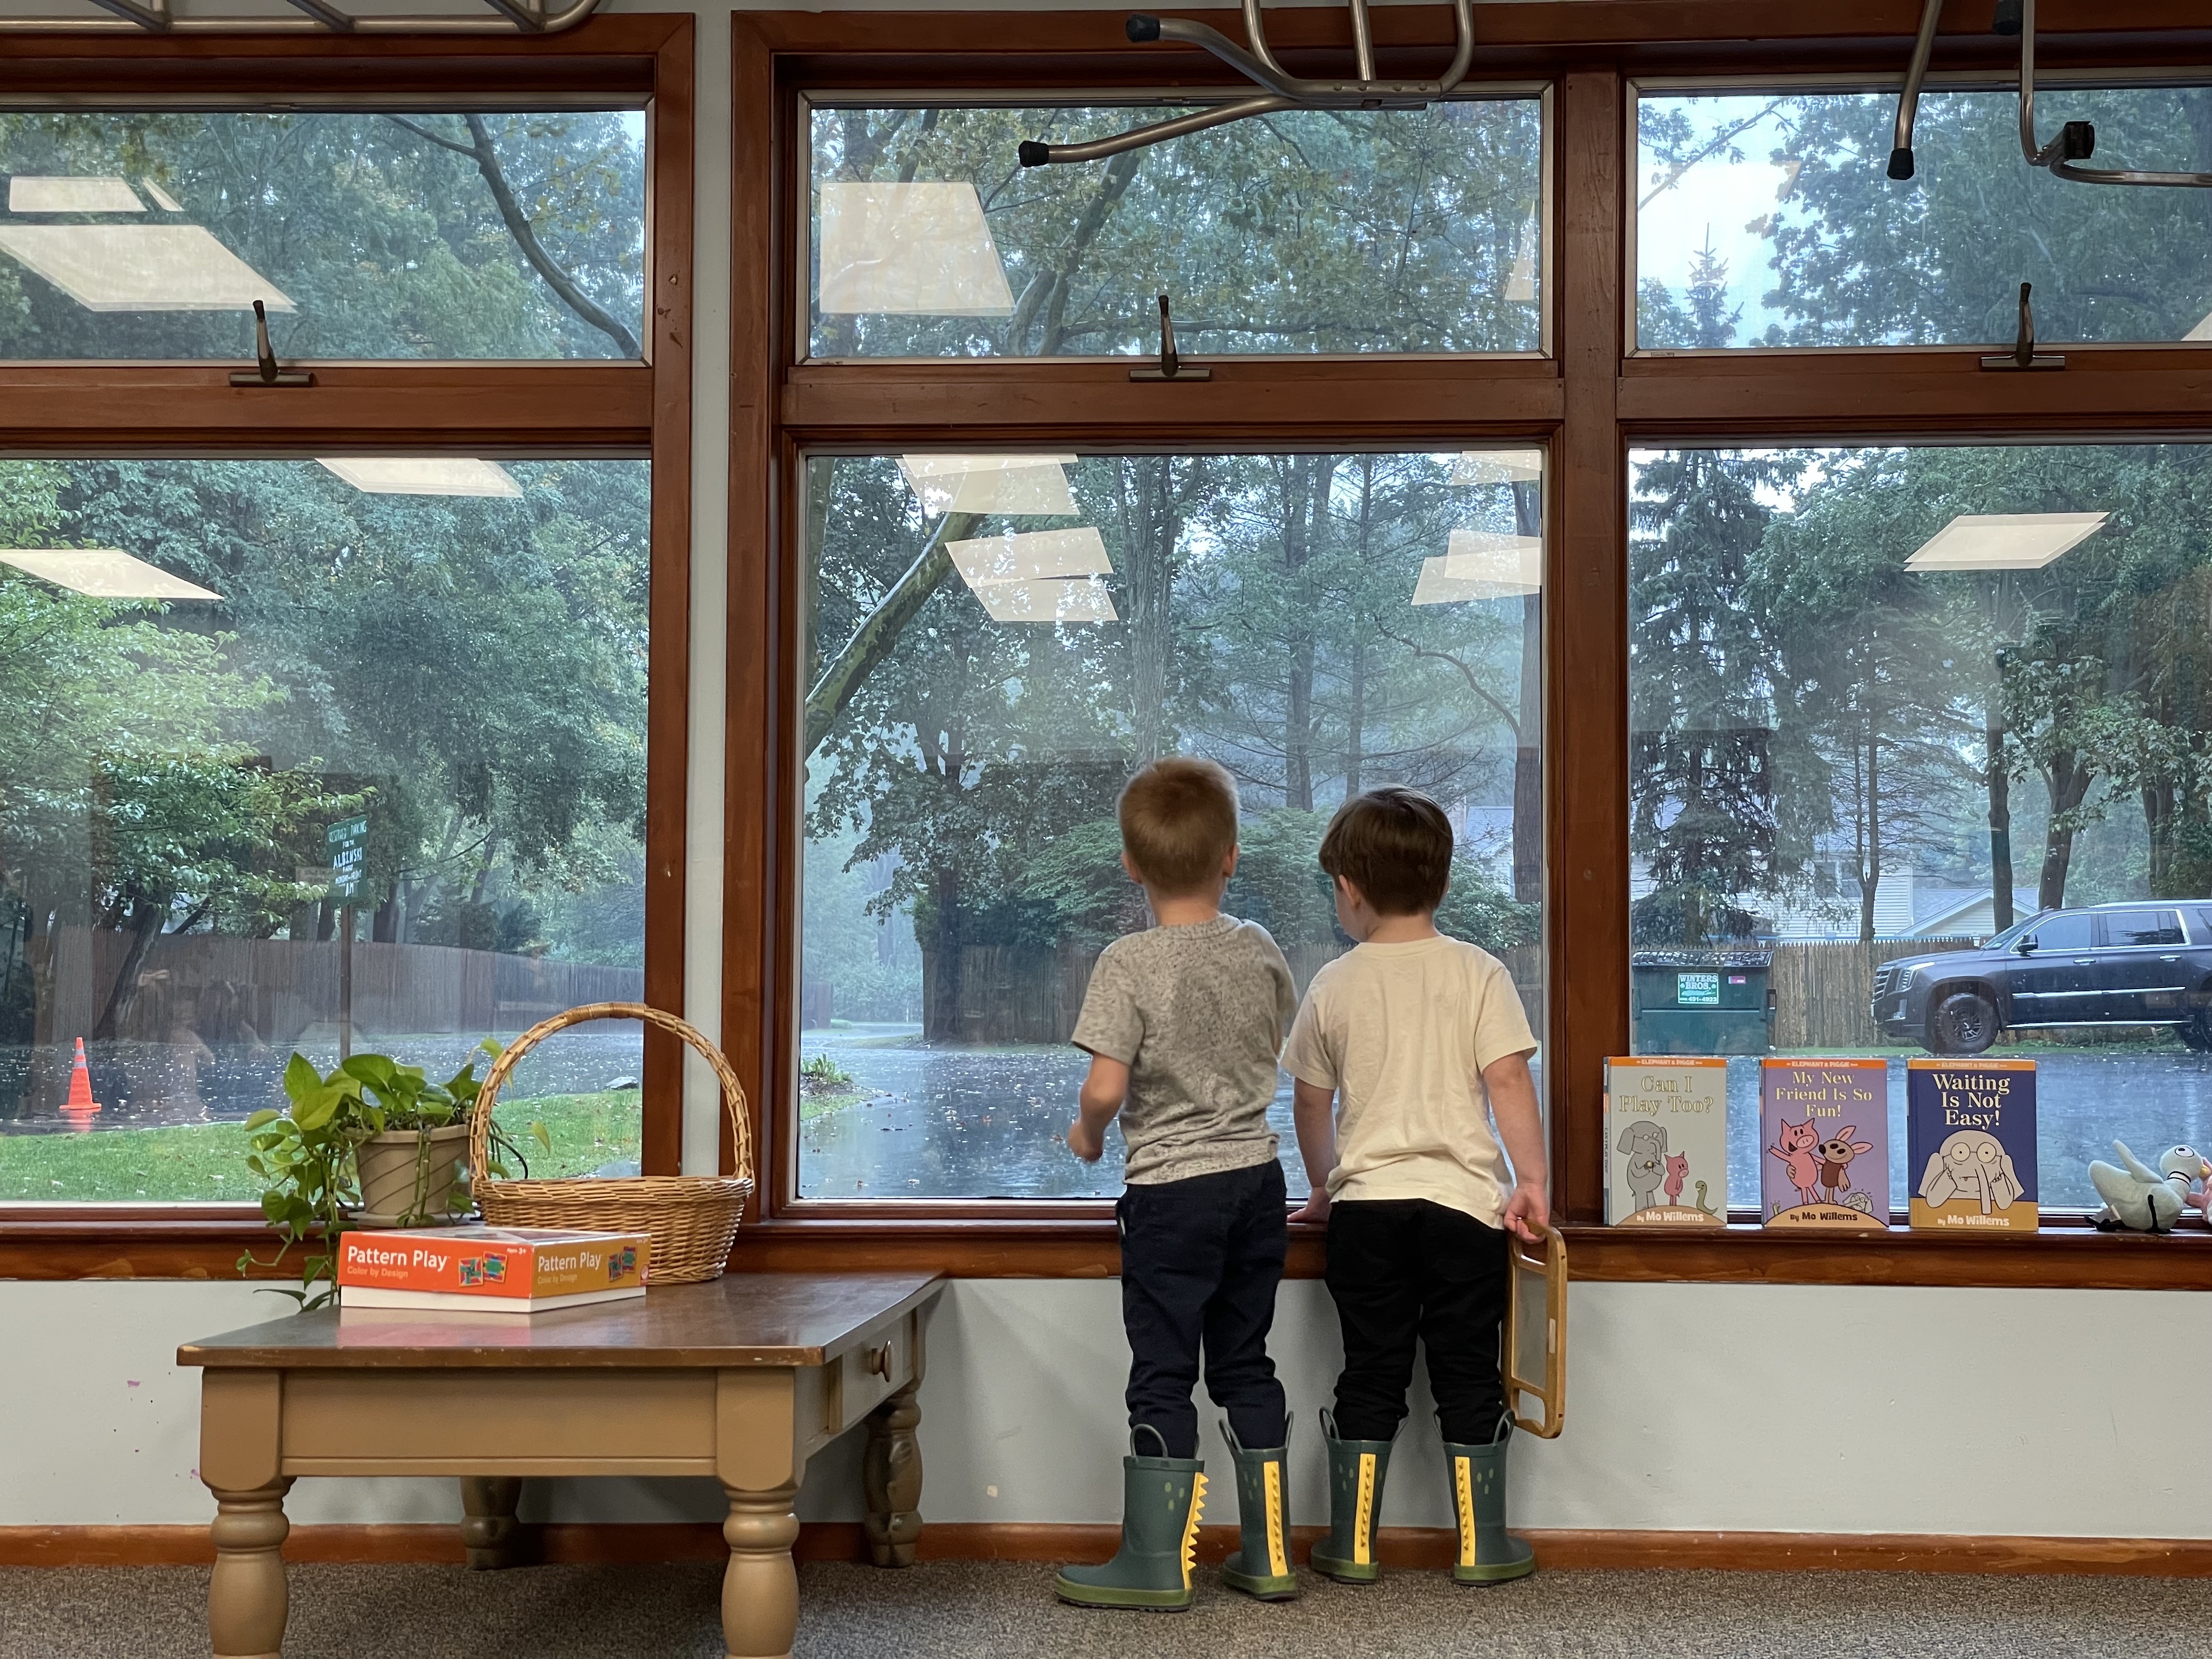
(305, 1155)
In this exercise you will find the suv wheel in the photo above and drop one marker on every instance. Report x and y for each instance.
(1964, 1022)
(2196, 1031)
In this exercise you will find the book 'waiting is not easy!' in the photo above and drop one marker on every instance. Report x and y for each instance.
(1665, 1136)
(1824, 1143)
(488, 1269)
(1969, 1144)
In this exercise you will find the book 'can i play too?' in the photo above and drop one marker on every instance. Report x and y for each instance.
(1665, 1136)
(1824, 1143)
(488, 1269)
(1970, 1144)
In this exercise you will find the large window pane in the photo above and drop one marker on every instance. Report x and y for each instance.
(206, 664)
(1896, 714)
(1306, 231)
(1318, 623)
(1768, 219)
(150, 235)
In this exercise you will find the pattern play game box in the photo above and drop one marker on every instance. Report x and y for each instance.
(488, 1269)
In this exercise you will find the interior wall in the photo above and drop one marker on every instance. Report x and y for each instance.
(1737, 1407)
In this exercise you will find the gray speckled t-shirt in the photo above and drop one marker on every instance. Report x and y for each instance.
(1197, 1013)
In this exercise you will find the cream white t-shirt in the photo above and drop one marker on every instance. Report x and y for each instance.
(1402, 1033)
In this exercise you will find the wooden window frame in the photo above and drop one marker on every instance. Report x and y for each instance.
(590, 408)
(1588, 402)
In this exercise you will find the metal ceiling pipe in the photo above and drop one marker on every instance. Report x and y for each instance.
(1280, 89)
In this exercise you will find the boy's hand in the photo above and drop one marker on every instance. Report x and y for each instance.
(1314, 1209)
(1085, 1142)
(1528, 1212)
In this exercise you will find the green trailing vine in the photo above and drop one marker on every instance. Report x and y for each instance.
(306, 1155)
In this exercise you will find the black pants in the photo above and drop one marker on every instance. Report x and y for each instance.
(1200, 1260)
(1402, 1268)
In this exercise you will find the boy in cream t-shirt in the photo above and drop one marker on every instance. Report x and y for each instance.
(1404, 1052)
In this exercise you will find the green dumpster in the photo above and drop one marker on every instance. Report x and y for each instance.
(1701, 1002)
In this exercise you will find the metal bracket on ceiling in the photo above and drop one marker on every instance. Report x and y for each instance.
(265, 371)
(2076, 141)
(1171, 366)
(1280, 89)
(2023, 354)
(158, 17)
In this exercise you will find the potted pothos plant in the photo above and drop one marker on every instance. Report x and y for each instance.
(374, 1143)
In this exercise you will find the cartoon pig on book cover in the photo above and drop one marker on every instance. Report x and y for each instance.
(1824, 1143)
(1666, 1131)
(1970, 1144)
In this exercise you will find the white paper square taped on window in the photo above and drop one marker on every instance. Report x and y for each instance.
(30, 194)
(910, 250)
(1481, 564)
(1031, 556)
(1067, 600)
(1032, 486)
(141, 267)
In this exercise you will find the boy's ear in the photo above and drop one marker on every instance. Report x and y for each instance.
(1229, 864)
(1130, 869)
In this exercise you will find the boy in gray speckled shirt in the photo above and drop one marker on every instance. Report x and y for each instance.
(1183, 1024)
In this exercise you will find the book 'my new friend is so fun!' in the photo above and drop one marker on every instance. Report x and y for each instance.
(1824, 1143)
(1665, 1136)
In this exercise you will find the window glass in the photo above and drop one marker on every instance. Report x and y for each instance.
(208, 670)
(2066, 933)
(1973, 682)
(2134, 928)
(1770, 221)
(1319, 623)
(150, 235)
(1306, 231)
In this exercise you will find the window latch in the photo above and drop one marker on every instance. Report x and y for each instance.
(2023, 354)
(265, 371)
(1171, 365)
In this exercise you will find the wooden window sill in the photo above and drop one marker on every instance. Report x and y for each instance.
(53, 1242)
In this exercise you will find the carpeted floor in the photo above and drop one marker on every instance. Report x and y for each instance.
(977, 1611)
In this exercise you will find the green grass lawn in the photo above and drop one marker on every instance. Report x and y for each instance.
(207, 1161)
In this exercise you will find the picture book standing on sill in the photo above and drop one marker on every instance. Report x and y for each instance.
(1665, 1136)
(1970, 1144)
(1824, 1143)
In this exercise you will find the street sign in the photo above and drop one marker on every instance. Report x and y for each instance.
(349, 843)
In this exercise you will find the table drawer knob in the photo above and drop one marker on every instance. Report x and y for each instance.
(880, 1362)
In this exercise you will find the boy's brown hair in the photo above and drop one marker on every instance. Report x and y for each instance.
(1395, 846)
(1178, 822)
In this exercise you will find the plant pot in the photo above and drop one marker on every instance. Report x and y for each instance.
(403, 1182)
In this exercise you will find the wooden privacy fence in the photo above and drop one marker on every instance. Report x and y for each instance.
(1029, 993)
(275, 991)
(1821, 992)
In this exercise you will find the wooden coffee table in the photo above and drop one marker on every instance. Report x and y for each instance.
(743, 1379)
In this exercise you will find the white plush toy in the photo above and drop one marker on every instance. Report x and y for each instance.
(2147, 1201)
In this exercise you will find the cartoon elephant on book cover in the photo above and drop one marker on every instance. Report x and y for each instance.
(1971, 1164)
(1645, 1145)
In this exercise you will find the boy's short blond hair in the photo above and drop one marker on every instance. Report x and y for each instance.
(1179, 822)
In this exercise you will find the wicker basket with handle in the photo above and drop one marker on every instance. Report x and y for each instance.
(692, 1219)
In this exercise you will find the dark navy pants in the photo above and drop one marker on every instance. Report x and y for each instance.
(1404, 1268)
(1200, 1260)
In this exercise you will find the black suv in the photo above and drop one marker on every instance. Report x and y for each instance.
(2138, 963)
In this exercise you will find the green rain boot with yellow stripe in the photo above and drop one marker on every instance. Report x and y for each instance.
(1488, 1554)
(1356, 1469)
(1162, 1498)
(1261, 1566)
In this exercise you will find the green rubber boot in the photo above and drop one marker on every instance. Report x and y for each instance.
(1355, 1469)
(1161, 1500)
(1261, 1567)
(1488, 1554)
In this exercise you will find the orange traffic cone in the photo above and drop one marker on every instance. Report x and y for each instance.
(80, 1102)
